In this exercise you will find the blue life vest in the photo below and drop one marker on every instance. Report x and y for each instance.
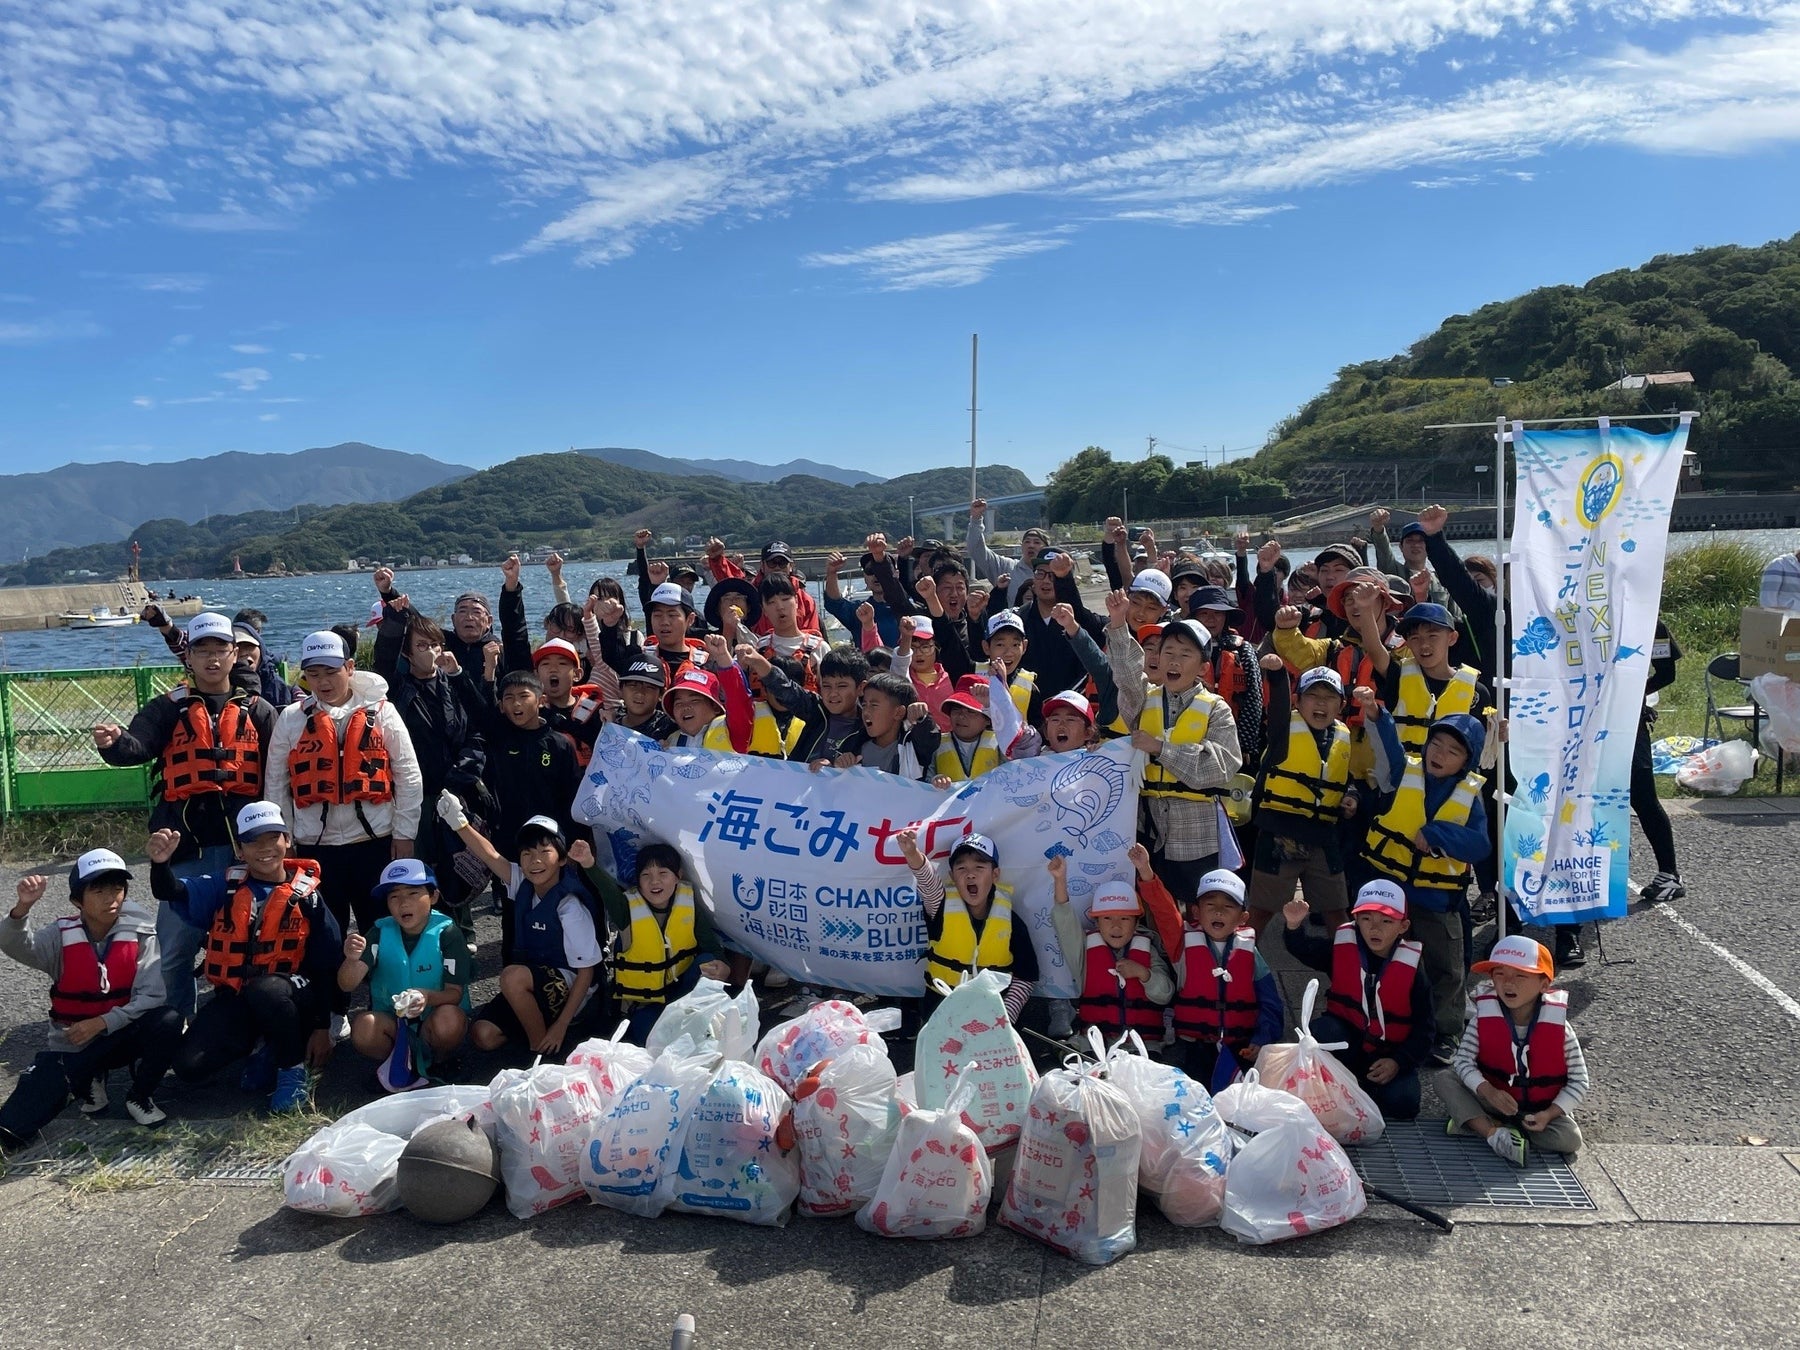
(422, 968)
(537, 930)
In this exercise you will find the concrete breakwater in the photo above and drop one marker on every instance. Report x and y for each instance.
(29, 607)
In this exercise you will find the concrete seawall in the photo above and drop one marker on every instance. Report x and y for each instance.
(28, 607)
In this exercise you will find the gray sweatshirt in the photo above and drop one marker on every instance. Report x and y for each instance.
(41, 948)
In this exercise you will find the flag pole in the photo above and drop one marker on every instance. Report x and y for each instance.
(1501, 680)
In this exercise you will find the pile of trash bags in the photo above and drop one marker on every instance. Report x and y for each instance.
(811, 1119)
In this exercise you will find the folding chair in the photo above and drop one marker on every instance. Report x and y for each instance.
(1725, 667)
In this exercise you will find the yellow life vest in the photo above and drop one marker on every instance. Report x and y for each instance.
(1021, 686)
(766, 736)
(656, 954)
(949, 758)
(958, 953)
(1303, 784)
(1389, 848)
(1189, 729)
(1417, 709)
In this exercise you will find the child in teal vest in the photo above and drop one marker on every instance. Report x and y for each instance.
(419, 967)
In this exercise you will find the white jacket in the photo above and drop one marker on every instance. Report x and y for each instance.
(332, 825)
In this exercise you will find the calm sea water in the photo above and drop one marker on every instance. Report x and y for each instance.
(297, 606)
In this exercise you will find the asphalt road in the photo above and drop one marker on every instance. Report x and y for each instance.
(1684, 1048)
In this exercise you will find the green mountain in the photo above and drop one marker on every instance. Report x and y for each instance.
(1729, 317)
(577, 503)
(737, 470)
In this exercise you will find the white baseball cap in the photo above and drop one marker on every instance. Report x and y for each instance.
(1224, 881)
(210, 625)
(403, 872)
(668, 594)
(259, 818)
(1006, 618)
(1381, 897)
(94, 864)
(1115, 897)
(1153, 582)
(1322, 675)
(324, 648)
(922, 629)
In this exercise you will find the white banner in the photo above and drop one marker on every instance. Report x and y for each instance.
(1588, 540)
(802, 870)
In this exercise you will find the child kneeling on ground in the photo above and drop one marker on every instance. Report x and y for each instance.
(1125, 982)
(1378, 1002)
(106, 1000)
(970, 925)
(556, 946)
(665, 939)
(1227, 1004)
(272, 954)
(1518, 1073)
(419, 969)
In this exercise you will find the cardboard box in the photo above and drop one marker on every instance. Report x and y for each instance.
(1769, 643)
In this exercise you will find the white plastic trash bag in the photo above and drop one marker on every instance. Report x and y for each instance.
(1074, 1182)
(1292, 1178)
(844, 1121)
(348, 1168)
(1779, 698)
(613, 1064)
(1186, 1146)
(938, 1178)
(823, 1031)
(971, 1027)
(732, 1162)
(631, 1153)
(545, 1117)
(712, 1018)
(1309, 1070)
(1719, 770)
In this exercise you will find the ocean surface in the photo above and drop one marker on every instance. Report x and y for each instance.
(297, 606)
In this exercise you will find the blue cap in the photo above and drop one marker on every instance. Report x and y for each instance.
(403, 872)
(1411, 527)
(1436, 615)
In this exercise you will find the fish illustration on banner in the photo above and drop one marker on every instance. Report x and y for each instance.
(1586, 583)
(802, 868)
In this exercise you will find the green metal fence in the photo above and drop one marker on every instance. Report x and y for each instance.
(47, 719)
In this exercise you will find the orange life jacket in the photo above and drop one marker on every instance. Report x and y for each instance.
(1385, 1021)
(321, 772)
(89, 987)
(1227, 669)
(1211, 1007)
(581, 720)
(235, 954)
(1535, 1071)
(203, 757)
(1109, 1003)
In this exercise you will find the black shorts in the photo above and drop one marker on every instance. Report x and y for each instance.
(548, 988)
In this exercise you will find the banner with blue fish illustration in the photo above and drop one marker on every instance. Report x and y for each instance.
(1590, 530)
(802, 868)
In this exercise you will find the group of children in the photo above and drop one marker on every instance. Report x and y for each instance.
(1363, 779)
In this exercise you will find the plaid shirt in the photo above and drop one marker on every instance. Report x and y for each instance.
(1180, 828)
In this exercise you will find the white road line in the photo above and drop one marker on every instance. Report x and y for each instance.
(1788, 1005)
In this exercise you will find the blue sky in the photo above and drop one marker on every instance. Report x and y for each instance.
(477, 231)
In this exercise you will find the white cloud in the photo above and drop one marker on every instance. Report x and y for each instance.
(303, 356)
(268, 417)
(246, 379)
(960, 258)
(37, 332)
(611, 124)
(143, 401)
(249, 348)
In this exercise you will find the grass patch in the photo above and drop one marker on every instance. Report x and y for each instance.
(53, 835)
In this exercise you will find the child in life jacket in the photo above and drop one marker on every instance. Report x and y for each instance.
(710, 703)
(106, 1000)
(829, 716)
(576, 709)
(985, 729)
(786, 639)
(272, 950)
(556, 956)
(670, 613)
(775, 733)
(1227, 1003)
(1303, 789)
(1518, 1073)
(419, 967)
(1125, 981)
(640, 697)
(1068, 722)
(1379, 1001)
(1427, 835)
(664, 939)
(970, 925)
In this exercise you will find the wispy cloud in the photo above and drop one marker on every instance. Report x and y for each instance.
(38, 332)
(249, 348)
(246, 379)
(143, 401)
(959, 258)
(268, 417)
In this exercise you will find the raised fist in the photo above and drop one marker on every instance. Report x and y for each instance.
(510, 571)
(581, 853)
(354, 946)
(1118, 608)
(834, 564)
(1295, 912)
(1378, 519)
(977, 508)
(657, 573)
(384, 580)
(1058, 868)
(1240, 542)
(876, 544)
(106, 735)
(1366, 700)
(1063, 615)
(642, 538)
(1266, 555)
(554, 564)
(1288, 616)
(715, 547)
(1270, 661)
(1433, 519)
(162, 845)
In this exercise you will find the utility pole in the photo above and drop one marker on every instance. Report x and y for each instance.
(1150, 448)
(974, 366)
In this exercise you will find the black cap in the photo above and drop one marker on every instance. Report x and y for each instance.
(645, 670)
(777, 548)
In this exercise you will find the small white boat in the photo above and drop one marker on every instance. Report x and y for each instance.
(102, 617)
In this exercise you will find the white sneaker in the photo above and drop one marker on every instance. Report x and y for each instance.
(776, 979)
(340, 1028)
(96, 1099)
(146, 1112)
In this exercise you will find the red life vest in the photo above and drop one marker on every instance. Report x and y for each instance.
(324, 772)
(674, 669)
(1211, 1007)
(1389, 1022)
(89, 987)
(1535, 1071)
(1104, 999)
(1226, 671)
(202, 757)
(235, 954)
(583, 720)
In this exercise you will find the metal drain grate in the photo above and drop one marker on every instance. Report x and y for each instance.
(70, 1148)
(1417, 1161)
